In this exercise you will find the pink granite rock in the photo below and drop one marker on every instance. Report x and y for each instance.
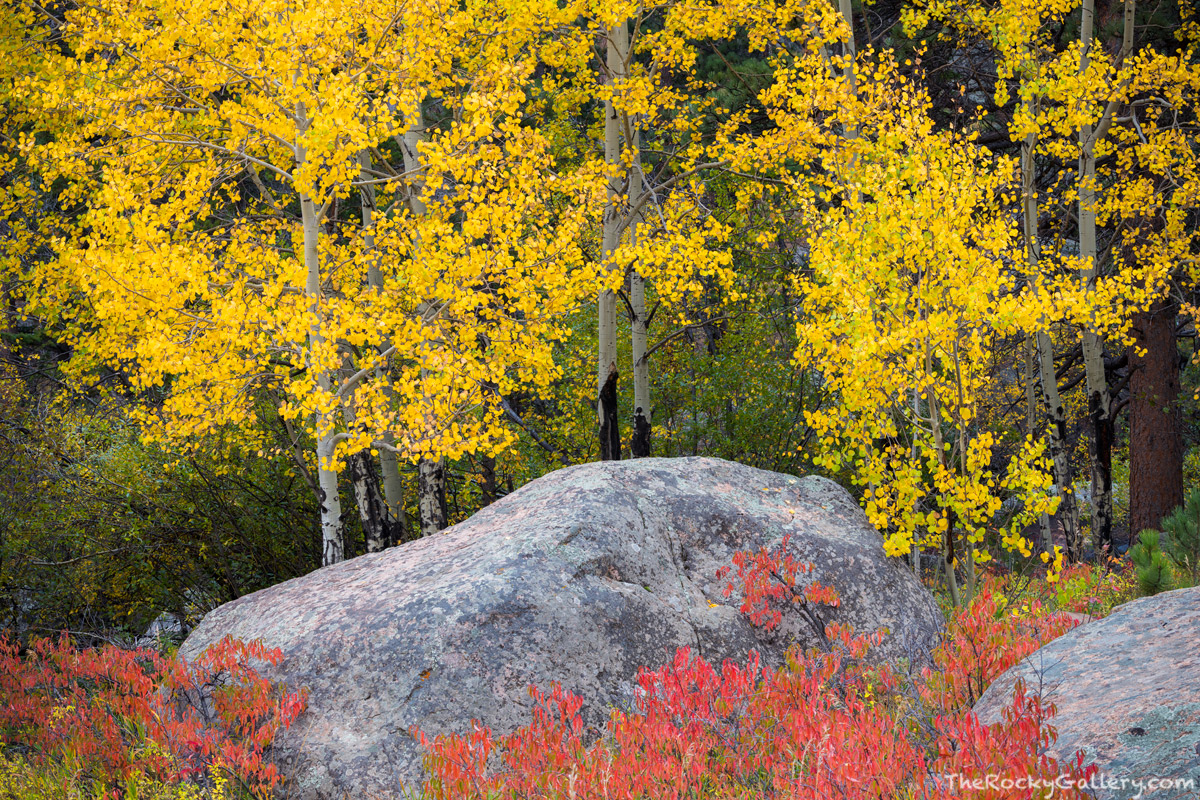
(1127, 690)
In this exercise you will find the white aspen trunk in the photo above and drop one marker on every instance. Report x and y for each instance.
(1060, 456)
(606, 361)
(642, 426)
(1029, 349)
(1031, 408)
(364, 480)
(389, 463)
(1043, 347)
(846, 9)
(949, 556)
(393, 492)
(915, 551)
(431, 472)
(639, 329)
(964, 439)
(431, 495)
(1099, 395)
(332, 544)
(372, 511)
(332, 540)
(1099, 399)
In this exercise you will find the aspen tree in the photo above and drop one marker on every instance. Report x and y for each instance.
(395, 521)
(202, 285)
(1099, 396)
(1112, 123)
(431, 471)
(907, 283)
(675, 240)
(1042, 352)
(607, 398)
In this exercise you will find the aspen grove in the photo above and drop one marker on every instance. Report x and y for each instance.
(285, 283)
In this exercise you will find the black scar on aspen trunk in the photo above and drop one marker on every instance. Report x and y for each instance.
(431, 482)
(951, 556)
(1102, 441)
(610, 430)
(377, 525)
(640, 446)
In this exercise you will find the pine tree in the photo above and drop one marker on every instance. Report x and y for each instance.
(1182, 529)
(1153, 565)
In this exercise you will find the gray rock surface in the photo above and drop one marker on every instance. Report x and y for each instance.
(1127, 691)
(579, 577)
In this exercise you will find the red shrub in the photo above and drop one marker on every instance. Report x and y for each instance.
(983, 640)
(768, 579)
(825, 726)
(120, 712)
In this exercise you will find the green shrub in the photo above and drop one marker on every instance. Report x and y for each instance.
(1182, 541)
(1153, 565)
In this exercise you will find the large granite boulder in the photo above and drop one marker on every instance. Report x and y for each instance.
(579, 577)
(1127, 690)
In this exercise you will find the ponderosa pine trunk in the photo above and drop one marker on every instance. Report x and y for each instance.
(607, 373)
(332, 534)
(1155, 421)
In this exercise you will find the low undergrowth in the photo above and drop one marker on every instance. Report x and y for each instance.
(828, 724)
(137, 725)
(107, 722)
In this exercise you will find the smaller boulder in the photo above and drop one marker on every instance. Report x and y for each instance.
(167, 629)
(1127, 693)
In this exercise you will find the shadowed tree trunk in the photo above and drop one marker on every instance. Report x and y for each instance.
(372, 511)
(1155, 422)
(606, 362)
(640, 443)
(1098, 392)
(487, 474)
(431, 495)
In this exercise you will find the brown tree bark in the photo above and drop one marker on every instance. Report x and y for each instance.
(1155, 421)
(487, 483)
